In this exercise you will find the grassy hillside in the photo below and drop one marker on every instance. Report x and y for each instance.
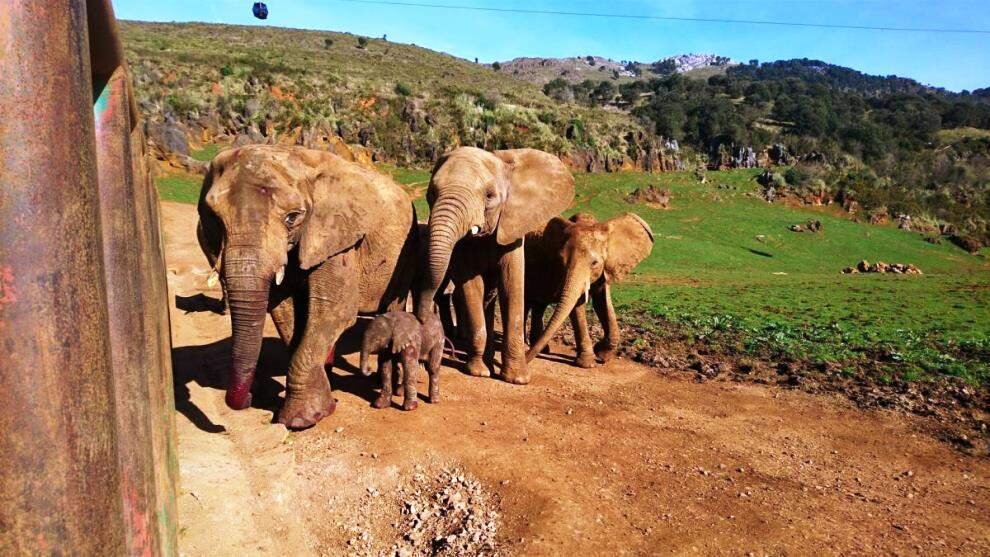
(726, 271)
(405, 103)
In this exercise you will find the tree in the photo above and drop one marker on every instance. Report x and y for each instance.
(559, 89)
(664, 67)
(604, 92)
(496, 66)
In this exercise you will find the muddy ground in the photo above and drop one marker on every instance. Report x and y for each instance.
(622, 459)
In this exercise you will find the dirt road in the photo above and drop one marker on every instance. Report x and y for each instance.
(622, 459)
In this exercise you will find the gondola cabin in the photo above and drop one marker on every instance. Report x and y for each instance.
(260, 10)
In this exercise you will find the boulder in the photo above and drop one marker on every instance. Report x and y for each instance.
(651, 195)
(251, 108)
(968, 243)
(879, 217)
(168, 137)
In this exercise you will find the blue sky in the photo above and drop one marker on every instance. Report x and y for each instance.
(953, 61)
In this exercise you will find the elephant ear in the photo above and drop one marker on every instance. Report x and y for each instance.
(630, 241)
(342, 205)
(209, 230)
(540, 187)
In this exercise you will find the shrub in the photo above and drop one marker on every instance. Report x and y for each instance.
(496, 66)
(327, 43)
(226, 71)
(362, 42)
(402, 89)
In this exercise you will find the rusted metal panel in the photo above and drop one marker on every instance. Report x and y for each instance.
(136, 292)
(158, 332)
(134, 365)
(59, 479)
(87, 454)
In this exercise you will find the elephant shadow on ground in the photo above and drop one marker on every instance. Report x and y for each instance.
(199, 303)
(207, 366)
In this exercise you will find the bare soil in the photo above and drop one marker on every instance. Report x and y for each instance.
(621, 459)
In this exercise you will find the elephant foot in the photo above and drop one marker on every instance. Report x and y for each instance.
(382, 402)
(604, 351)
(409, 405)
(303, 412)
(586, 360)
(477, 367)
(434, 397)
(516, 373)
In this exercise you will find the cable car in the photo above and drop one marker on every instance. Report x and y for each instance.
(260, 10)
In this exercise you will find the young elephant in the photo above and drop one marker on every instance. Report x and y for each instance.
(571, 259)
(399, 338)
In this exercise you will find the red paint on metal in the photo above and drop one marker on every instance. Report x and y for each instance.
(8, 294)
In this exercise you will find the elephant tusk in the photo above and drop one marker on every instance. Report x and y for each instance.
(279, 275)
(212, 280)
(587, 292)
(475, 230)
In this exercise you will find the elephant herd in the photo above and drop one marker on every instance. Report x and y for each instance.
(316, 241)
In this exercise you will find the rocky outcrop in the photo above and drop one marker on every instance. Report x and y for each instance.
(651, 195)
(813, 225)
(684, 63)
(864, 266)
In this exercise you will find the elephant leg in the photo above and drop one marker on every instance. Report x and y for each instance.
(463, 332)
(511, 269)
(536, 325)
(284, 316)
(579, 321)
(433, 368)
(410, 365)
(605, 348)
(473, 291)
(384, 399)
(489, 356)
(398, 381)
(332, 308)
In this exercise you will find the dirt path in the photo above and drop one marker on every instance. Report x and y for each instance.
(616, 460)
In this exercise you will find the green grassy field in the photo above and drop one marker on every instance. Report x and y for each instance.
(726, 270)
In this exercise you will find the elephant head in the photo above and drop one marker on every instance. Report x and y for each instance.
(259, 205)
(504, 194)
(590, 253)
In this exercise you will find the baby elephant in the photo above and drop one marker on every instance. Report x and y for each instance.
(399, 338)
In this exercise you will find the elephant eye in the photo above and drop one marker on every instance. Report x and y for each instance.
(490, 195)
(292, 218)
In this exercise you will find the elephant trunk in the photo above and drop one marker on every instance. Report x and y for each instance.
(576, 284)
(449, 222)
(366, 349)
(247, 297)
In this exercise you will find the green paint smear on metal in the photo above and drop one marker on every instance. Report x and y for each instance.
(102, 102)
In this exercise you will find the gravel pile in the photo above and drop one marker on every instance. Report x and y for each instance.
(449, 514)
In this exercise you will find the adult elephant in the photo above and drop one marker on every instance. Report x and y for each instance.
(312, 239)
(482, 205)
(570, 260)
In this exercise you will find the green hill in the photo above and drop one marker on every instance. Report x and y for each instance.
(405, 103)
